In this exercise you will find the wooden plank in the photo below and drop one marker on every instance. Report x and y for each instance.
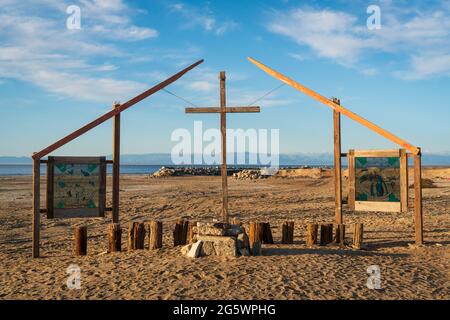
(418, 199)
(377, 206)
(336, 107)
(102, 187)
(50, 184)
(252, 109)
(377, 153)
(403, 181)
(223, 131)
(116, 166)
(112, 113)
(36, 206)
(337, 165)
(76, 213)
(351, 180)
(75, 160)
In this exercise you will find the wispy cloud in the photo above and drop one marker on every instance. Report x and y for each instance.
(203, 18)
(421, 37)
(42, 51)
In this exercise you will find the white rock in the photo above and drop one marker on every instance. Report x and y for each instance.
(195, 249)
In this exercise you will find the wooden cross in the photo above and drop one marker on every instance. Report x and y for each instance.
(223, 110)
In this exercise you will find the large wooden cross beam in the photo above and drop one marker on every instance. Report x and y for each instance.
(223, 110)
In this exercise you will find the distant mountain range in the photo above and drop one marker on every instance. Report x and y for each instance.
(325, 159)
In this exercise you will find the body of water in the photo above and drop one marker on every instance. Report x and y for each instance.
(25, 169)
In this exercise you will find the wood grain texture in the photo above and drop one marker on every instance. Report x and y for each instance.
(418, 222)
(252, 109)
(337, 164)
(351, 180)
(81, 241)
(36, 222)
(404, 189)
(114, 237)
(116, 166)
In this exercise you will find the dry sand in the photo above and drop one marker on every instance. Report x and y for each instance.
(283, 272)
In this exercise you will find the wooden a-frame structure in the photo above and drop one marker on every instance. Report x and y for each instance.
(115, 114)
(334, 104)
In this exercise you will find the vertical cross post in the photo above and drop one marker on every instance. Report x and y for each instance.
(223, 131)
(337, 163)
(116, 166)
(223, 110)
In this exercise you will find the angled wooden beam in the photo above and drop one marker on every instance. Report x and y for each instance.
(113, 112)
(336, 107)
(228, 110)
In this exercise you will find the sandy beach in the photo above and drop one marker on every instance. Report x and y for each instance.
(282, 272)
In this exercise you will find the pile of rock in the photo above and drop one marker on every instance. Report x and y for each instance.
(164, 172)
(217, 239)
(249, 175)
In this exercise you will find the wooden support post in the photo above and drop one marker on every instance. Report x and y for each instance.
(287, 236)
(337, 163)
(155, 235)
(418, 198)
(36, 222)
(267, 233)
(326, 234)
(311, 236)
(340, 234)
(255, 232)
(358, 232)
(404, 181)
(180, 233)
(114, 238)
(190, 231)
(223, 131)
(351, 180)
(136, 235)
(81, 241)
(116, 165)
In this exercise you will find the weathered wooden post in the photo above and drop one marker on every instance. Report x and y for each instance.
(155, 235)
(256, 232)
(337, 163)
(180, 232)
(326, 234)
(190, 231)
(136, 235)
(36, 223)
(267, 233)
(311, 235)
(81, 241)
(287, 236)
(418, 223)
(357, 235)
(114, 237)
(340, 234)
(116, 165)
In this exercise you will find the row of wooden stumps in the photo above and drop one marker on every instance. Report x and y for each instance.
(136, 237)
(258, 233)
(326, 236)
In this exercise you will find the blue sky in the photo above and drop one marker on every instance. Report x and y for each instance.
(54, 80)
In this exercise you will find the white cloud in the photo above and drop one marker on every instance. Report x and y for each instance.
(203, 18)
(341, 37)
(40, 50)
(426, 66)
